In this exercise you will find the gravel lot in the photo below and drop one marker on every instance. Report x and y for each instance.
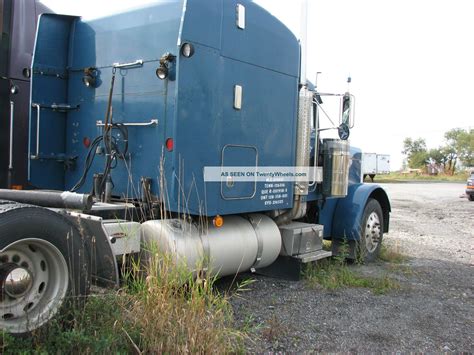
(433, 311)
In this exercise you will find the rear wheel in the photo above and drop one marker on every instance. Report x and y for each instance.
(43, 266)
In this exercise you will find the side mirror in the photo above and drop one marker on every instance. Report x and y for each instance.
(347, 110)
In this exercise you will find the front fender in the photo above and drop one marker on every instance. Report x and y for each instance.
(349, 210)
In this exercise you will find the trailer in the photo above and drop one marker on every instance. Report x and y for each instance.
(375, 164)
(129, 118)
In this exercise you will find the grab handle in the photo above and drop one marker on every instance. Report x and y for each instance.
(12, 114)
(38, 120)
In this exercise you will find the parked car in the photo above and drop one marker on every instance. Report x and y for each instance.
(470, 187)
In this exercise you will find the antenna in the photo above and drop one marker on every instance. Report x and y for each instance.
(304, 40)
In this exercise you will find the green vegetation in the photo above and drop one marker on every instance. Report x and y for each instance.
(161, 309)
(459, 146)
(405, 177)
(336, 273)
(333, 275)
(391, 256)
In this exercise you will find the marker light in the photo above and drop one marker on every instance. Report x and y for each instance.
(218, 221)
(187, 50)
(169, 144)
(87, 142)
(14, 89)
(162, 72)
(26, 72)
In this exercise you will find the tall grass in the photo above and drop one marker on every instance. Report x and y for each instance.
(162, 308)
(178, 310)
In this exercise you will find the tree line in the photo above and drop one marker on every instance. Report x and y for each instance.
(458, 147)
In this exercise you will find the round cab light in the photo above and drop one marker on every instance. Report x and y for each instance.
(187, 50)
(89, 81)
(162, 72)
(218, 221)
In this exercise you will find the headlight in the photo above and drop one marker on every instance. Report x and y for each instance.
(89, 78)
(162, 72)
(89, 81)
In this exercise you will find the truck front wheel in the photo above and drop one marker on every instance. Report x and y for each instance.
(371, 232)
(43, 265)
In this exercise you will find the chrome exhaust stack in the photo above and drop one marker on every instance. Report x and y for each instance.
(303, 146)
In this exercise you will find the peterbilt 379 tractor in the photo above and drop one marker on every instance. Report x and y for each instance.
(125, 115)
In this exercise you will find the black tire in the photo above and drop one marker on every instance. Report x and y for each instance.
(371, 232)
(470, 197)
(50, 254)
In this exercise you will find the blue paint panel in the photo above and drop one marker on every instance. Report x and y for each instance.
(206, 117)
(208, 13)
(263, 42)
(348, 212)
(326, 216)
(144, 33)
(194, 105)
(49, 86)
(246, 156)
(139, 96)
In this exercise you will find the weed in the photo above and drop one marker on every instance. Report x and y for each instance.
(91, 328)
(327, 245)
(274, 329)
(334, 274)
(250, 324)
(162, 308)
(390, 255)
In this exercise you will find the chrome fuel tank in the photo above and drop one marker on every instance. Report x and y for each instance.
(241, 244)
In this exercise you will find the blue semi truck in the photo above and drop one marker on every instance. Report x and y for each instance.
(126, 114)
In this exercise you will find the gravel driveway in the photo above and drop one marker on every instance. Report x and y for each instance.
(433, 310)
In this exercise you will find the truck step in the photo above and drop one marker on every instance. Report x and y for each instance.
(313, 256)
(292, 267)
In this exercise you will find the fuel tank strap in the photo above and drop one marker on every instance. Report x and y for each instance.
(258, 258)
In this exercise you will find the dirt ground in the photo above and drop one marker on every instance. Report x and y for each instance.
(433, 311)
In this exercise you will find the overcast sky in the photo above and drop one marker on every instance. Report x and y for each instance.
(411, 61)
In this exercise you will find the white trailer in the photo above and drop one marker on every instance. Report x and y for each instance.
(373, 164)
(383, 164)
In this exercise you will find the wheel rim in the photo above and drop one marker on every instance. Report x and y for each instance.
(372, 232)
(34, 279)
